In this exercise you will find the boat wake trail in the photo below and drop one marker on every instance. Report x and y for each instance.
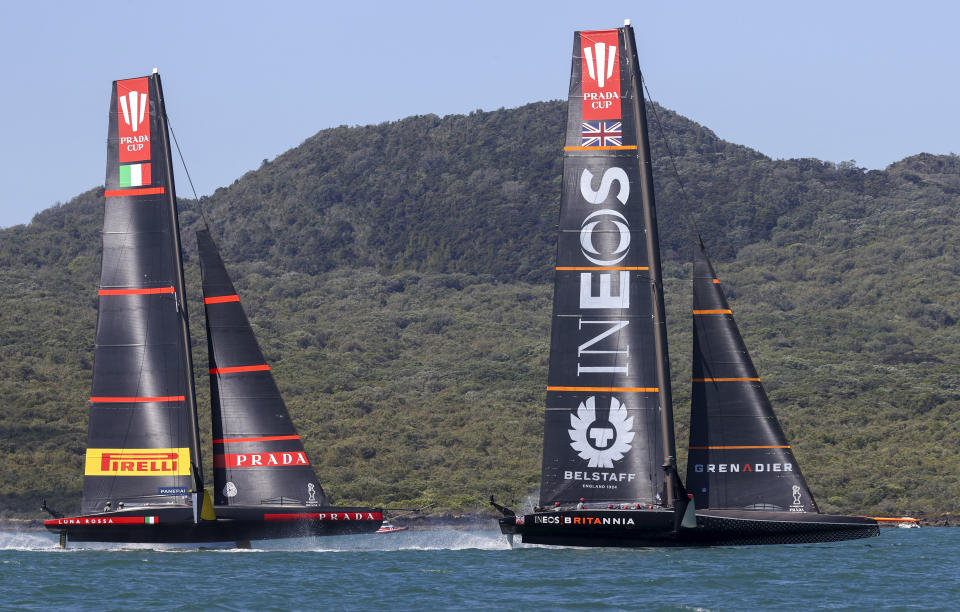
(26, 540)
(407, 540)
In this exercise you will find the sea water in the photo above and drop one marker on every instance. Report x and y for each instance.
(471, 570)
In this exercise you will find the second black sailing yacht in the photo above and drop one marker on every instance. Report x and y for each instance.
(609, 475)
(143, 477)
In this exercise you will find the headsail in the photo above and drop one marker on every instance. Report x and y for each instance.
(258, 457)
(739, 456)
(605, 436)
(142, 440)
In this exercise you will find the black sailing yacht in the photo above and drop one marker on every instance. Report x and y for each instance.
(609, 473)
(143, 477)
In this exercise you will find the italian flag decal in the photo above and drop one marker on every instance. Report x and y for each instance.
(134, 175)
(150, 520)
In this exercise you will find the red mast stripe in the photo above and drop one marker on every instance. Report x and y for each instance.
(726, 380)
(262, 439)
(221, 299)
(124, 400)
(116, 193)
(236, 369)
(149, 291)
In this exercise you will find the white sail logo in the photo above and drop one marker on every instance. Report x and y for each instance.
(600, 62)
(134, 107)
(590, 251)
(601, 443)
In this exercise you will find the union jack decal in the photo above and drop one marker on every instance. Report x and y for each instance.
(602, 134)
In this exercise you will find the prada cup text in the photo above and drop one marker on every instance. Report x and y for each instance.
(600, 99)
(134, 143)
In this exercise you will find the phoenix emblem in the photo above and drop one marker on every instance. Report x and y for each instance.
(601, 443)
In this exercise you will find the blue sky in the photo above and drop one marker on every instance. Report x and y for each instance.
(839, 80)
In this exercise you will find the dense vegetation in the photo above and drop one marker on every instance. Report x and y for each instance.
(399, 279)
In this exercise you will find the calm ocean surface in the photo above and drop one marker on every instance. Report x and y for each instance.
(445, 570)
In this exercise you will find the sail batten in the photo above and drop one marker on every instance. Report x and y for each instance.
(739, 457)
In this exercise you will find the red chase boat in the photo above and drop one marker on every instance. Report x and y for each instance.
(143, 477)
(389, 527)
(609, 475)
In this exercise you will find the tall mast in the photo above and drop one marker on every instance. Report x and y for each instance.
(653, 257)
(171, 195)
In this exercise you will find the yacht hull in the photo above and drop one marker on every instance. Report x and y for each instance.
(656, 528)
(176, 526)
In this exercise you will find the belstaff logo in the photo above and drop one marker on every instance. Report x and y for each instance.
(599, 61)
(601, 441)
(134, 107)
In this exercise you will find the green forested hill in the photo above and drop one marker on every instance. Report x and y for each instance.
(399, 279)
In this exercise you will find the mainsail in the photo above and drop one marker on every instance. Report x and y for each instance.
(258, 458)
(142, 444)
(739, 456)
(608, 426)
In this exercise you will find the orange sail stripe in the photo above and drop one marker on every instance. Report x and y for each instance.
(261, 439)
(220, 299)
(732, 447)
(125, 400)
(608, 389)
(602, 268)
(136, 291)
(115, 193)
(616, 148)
(726, 379)
(702, 312)
(235, 369)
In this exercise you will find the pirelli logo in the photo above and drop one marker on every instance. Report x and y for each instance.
(137, 462)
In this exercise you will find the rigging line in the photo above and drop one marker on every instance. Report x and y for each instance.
(687, 207)
(187, 171)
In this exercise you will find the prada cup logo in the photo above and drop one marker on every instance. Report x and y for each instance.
(134, 107)
(601, 441)
(590, 251)
(600, 62)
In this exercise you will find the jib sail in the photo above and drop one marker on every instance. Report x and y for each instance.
(142, 442)
(606, 433)
(739, 456)
(258, 458)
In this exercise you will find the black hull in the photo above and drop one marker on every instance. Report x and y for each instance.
(655, 528)
(231, 525)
